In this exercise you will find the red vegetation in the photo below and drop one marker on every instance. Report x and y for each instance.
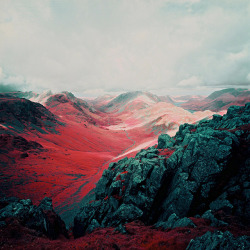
(118, 177)
(166, 152)
(138, 236)
(245, 127)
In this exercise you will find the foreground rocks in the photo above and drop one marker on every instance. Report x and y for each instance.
(200, 172)
(219, 240)
(41, 218)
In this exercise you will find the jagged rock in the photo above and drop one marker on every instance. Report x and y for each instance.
(221, 203)
(41, 218)
(84, 218)
(219, 241)
(174, 221)
(93, 225)
(126, 213)
(205, 166)
(165, 141)
(214, 222)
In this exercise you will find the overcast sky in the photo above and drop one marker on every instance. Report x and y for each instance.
(91, 47)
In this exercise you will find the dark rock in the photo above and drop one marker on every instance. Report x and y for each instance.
(208, 169)
(221, 203)
(165, 141)
(214, 222)
(41, 218)
(93, 225)
(84, 218)
(126, 213)
(219, 241)
(174, 221)
(6, 201)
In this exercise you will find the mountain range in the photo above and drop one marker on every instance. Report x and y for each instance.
(75, 151)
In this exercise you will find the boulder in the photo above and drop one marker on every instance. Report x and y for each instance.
(41, 218)
(207, 169)
(219, 241)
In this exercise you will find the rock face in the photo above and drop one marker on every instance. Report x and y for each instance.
(204, 168)
(42, 218)
(219, 240)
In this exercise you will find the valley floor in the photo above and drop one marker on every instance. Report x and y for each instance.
(70, 164)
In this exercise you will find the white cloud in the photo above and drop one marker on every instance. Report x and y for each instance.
(1, 74)
(190, 82)
(248, 77)
(238, 55)
(125, 45)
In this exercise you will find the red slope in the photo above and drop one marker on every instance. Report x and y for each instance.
(72, 158)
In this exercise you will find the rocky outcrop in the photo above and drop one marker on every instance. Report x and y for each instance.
(219, 241)
(41, 218)
(204, 168)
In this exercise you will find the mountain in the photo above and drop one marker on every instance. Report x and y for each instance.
(199, 174)
(166, 98)
(66, 105)
(100, 101)
(159, 117)
(67, 132)
(21, 114)
(59, 149)
(189, 191)
(41, 98)
(219, 100)
(130, 101)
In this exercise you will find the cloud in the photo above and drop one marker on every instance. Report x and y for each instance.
(125, 45)
(11, 82)
(248, 78)
(192, 81)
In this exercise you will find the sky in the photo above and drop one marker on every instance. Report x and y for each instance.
(94, 47)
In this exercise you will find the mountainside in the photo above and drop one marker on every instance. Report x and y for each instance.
(41, 98)
(67, 106)
(61, 148)
(56, 150)
(190, 191)
(220, 100)
(201, 172)
(131, 101)
(21, 114)
(160, 117)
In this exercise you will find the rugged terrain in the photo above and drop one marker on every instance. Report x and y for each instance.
(76, 151)
(60, 146)
(188, 191)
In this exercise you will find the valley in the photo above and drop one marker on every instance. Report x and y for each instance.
(81, 140)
